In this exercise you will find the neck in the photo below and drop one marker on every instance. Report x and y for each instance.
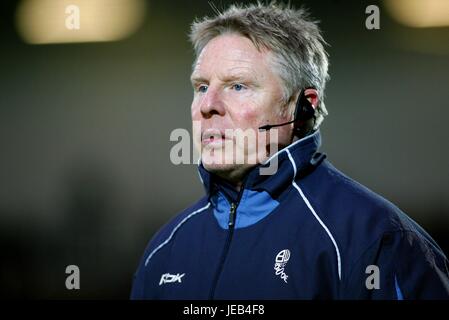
(236, 182)
(236, 175)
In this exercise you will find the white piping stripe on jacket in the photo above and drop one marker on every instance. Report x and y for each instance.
(174, 230)
(290, 146)
(314, 213)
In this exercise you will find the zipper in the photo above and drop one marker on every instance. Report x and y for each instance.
(232, 216)
(231, 226)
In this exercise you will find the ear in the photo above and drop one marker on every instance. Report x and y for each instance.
(312, 95)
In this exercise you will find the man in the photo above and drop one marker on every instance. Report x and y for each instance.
(306, 230)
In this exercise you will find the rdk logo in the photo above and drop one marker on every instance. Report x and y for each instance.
(170, 278)
(280, 262)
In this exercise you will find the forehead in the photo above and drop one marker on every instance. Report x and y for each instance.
(229, 54)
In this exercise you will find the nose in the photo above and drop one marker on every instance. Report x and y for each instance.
(212, 104)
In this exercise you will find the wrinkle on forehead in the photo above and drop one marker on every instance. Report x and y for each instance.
(229, 53)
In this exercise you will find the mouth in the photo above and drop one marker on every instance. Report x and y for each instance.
(212, 137)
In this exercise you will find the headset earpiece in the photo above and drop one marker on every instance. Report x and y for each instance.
(304, 115)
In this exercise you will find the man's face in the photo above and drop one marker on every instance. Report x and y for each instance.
(235, 87)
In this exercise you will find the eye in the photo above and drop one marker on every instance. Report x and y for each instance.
(202, 88)
(238, 87)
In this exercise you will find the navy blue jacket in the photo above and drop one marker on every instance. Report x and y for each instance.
(305, 232)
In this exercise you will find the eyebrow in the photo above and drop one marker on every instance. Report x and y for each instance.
(197, 79)
(236, 77)
(227, 79)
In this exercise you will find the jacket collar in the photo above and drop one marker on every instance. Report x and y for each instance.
(302, 153)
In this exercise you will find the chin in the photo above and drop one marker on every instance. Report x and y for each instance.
(218, 167)
(230, 172)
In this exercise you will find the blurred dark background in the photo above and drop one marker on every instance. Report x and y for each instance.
(85, 173)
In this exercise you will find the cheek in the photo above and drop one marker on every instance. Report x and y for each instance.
(195, 111)
(257, 109)
(196, 128)
(247, 116)
(245, 119)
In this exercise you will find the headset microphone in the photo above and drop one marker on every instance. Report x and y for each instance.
(304, 113)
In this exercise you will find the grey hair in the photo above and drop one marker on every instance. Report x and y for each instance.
(299, 57)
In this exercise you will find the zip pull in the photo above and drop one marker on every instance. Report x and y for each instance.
(232, 215)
